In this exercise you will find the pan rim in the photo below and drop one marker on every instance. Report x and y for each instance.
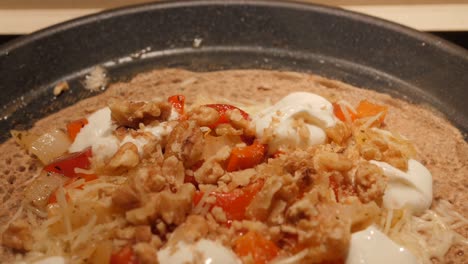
(438, 42)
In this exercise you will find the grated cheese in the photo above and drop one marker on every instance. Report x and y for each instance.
(371, 120)
(345, 108)
(292, 259)
(430, 235)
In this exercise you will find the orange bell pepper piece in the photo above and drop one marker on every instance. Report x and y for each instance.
(340, 115)
(246, 157)
(368, 109)
(261, 249)
(74, 127)
(222, 109)
(234, 203)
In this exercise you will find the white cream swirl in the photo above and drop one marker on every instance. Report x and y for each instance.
(297, 120)
(411, 189)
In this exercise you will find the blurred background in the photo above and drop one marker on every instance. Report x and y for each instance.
(446, 18)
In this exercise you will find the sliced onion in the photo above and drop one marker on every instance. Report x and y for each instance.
(38, 192)
(46, 147)
(50, 145)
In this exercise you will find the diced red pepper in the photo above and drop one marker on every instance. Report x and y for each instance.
(66, 165)
(178, 102)
(234, 203)
(340, 115)
(261, 249)
(246, 157)
(124, 256)
(74, 127)
(367, 109)
(222, 109)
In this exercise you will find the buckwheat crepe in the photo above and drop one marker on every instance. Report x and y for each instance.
(440, 146)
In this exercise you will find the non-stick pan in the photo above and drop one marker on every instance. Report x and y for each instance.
(357, 49)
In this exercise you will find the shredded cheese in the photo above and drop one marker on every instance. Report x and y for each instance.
(345, 108)
(430, 235)
(371, 120)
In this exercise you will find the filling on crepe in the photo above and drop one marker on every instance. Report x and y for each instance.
(304, 179)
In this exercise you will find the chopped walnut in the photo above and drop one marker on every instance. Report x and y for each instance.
(259, 208)
(277, 212)
(173, 171)
(204, 115)
(125, 233)
(145, 253)
(218, 214)
(174, 207)
(171, 207)
(143, 233)
(125, 198)
(18, 236)
(320, 229)
(375, 144)
(131, 114)
(240, 123)
(186, 143)
(124, 159)
(193, 229)
(227, 130)
(147, 213)
(370, 182)
(60, 88)
(339, 133)
(211, 170)
(324, 160)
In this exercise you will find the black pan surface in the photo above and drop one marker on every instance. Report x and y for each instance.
(354, 48)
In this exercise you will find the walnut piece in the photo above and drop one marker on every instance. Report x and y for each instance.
(18, 236)
(125, 158)
(186, 143)
(131, 114)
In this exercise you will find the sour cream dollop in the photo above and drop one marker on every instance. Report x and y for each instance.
(412, 189)
(203, 251)
(371, 246)
(283, 121)
(98, 134)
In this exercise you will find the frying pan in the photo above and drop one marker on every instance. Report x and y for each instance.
(350, 47)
